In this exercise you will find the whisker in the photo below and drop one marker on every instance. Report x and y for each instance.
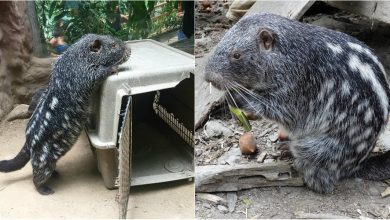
(255, 96)
(228, 92)
(244, 97)
(270, 106)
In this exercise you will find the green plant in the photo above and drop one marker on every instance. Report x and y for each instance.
(101, 17)
(242, 118)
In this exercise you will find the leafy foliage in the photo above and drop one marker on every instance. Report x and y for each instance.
(126, 20)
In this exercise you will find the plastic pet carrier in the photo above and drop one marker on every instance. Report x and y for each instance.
(157, 86)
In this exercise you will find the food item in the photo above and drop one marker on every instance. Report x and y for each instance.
(247, 143)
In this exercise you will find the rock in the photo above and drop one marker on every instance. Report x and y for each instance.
(214, 199)
(19, 112)
(231, 201)
(373, 191)
(274, 137)
(261, 157)
(217, 129)
(386, 212)
(230, 157)
(222, 209)
(269, 160)
(202, 42)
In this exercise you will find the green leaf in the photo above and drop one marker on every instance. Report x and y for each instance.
(51, 8)
(242, 118)
(60, 16)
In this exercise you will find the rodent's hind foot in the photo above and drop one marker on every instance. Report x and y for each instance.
(114, 69)
(44, 190)
(320, 180)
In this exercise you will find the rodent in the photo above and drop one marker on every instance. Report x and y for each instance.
(325, 88)
(61, 113)
(35, 101)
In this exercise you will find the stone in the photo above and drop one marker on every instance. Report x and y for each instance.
(231, 198)
(269, 160)
(19, 112)
(217, 129)
(222, 209)
(230, 157)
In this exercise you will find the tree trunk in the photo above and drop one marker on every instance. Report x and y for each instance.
(39, 46)
(15, 49)
(20, 74)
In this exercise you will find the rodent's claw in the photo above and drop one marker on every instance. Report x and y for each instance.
(284, 149)
(286, 154)
(114, 70)
(282, 146)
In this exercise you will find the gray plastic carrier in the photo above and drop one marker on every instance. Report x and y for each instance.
(158, 83)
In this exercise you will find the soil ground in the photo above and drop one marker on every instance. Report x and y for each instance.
(79, 189)
(352, 198)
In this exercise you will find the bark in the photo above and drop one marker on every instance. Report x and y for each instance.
(20, 74)
(39, 46)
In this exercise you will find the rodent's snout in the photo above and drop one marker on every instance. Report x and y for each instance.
(126, 54)
(215, 79)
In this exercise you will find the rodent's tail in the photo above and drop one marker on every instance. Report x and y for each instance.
(17, 163)
(375, 168)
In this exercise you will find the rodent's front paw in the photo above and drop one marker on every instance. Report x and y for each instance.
(284, 149)
(114, 70)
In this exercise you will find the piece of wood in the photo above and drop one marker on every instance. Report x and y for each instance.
(204, 100)
(224, 178)
(385, 193)
(379, 10)
(289, 9)
(305, 215)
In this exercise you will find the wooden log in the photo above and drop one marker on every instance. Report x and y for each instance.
(379, 10)
(223, 178)
(304, 215)
(288, 9)
(204, 100)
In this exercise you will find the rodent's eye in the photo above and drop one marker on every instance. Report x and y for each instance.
(236, 55)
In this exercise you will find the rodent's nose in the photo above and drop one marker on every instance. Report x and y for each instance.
(206, 76)
(127, 53)
(215, 79)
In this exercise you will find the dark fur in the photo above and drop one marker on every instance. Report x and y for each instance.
(61, 111)
(35, 101)
(326, 89)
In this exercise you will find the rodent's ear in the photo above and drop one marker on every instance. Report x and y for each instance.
(266, 39)
(95, 46)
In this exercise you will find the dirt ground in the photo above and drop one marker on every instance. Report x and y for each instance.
(352, 198)
(79, 189)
